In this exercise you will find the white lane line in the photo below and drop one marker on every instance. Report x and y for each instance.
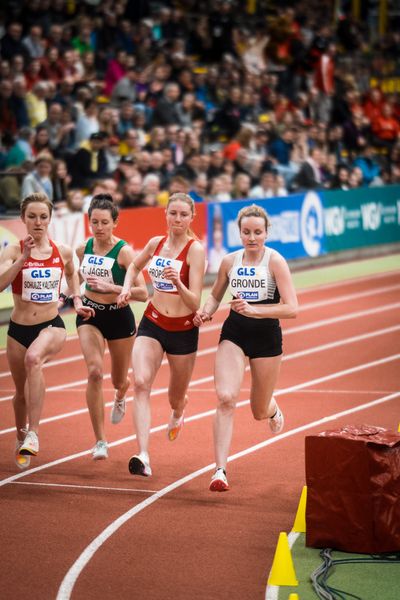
(68, 583)
(208, 328)
(208, 413)
(84, 487)
(289, 331)
(157, 392)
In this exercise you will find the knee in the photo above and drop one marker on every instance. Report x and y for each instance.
(95, 374)
(226, 401)
(32, 361)
(142, 383)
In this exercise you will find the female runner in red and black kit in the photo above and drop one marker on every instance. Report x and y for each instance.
(176, 267)
(36, 332)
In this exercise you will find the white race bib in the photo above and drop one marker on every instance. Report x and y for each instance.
(156, 272)
(97, 266)
(249, 283)
(41, 284)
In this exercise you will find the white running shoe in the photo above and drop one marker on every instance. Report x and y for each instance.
(118, 410)
(139, 465)
(276, 422)
(219, 482)
(100, 451)
(174, 426)
(30, 445)
(22, 461)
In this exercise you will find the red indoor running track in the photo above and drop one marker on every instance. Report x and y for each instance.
(75, 528)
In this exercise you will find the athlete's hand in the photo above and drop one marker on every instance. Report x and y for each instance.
(242, 307)
(123, 299)
(98, 285)
(85, 312)
(200, 317)
(27, 246)
(172, 275)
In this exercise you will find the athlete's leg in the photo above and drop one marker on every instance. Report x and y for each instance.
(147, 355)
(181, 369)
(49, 341)
(264, 375)
(93, 346)
(120, 353)
(229, 370)
(16, 360)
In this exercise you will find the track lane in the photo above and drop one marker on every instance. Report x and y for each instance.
(172, 461)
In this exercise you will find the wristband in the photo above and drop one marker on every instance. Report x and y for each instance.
(63, 297)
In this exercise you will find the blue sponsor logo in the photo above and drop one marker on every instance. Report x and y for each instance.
(163, 262)
(248, 295)
(246, 271)
(41, 273)
(41, 297)
(95, 260)
(164, 286)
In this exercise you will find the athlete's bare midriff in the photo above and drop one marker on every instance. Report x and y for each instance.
(32, 313)
(170, 305)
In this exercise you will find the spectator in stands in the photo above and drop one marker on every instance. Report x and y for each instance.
(39, 180)
(133, 192)
(60, 180)
(89, 163)
(88, 122)
(366, 161)
(268, 187)
(36, 103)
(8, 117)
(165, 111)
(385, 128)
(11, 42)
(34, 42)
(309, 176)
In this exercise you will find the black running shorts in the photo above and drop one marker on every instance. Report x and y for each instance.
(256, 337)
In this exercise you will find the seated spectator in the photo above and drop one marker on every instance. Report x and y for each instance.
(132, 195)
(88, 122)
(116, 70)
(36, 103)
(341, 179)
(10, 190)
(39, 180)
(89, 163)
(268, 187)
(41, 141)
(385, 128)
(60, 180)
(309, 176)
(165, 111)
(199, 189)
(34, 42)
(366, 161)
(241, 186)
(126, 88)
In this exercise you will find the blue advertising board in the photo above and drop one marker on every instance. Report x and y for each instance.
(297, 226)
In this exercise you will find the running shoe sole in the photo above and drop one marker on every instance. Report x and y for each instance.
(137, 467)
(217, 485)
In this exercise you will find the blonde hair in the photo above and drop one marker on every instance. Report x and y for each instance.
(36, 197)
(253, 211)
(181, 196)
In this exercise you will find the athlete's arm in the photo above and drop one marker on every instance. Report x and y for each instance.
(135, 267)
(72, 279)
(217, 292)
(12, 260)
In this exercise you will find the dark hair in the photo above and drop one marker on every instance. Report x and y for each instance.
(104, 202)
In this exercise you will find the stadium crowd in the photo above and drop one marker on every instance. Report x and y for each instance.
(223, 99)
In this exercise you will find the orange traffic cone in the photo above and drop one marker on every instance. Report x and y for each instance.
(299, 525)
(282, 571)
